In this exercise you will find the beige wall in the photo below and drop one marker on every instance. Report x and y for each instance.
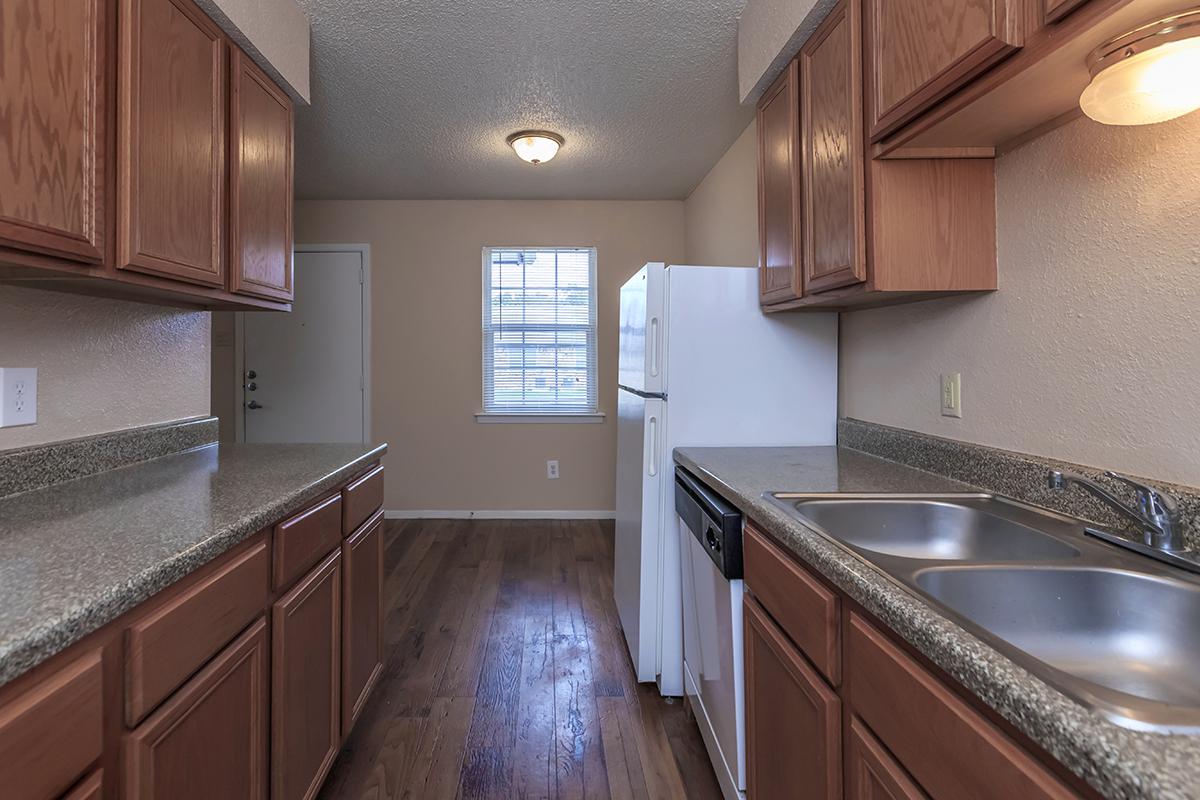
(103, 365)
(1090, 351)
(426, 343)
(721, 214)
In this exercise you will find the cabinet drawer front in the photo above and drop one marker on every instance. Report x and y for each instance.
(210, 739)
(921, 50)
(806, 610)
(362, 498)
(948, 747)
(167, 645)
(305, 539)
(52, 732)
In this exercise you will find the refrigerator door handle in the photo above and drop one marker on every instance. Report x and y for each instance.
(652, 446)
(654, 348)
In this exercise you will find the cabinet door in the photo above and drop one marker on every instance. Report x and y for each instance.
(171, 146)
(793, 720)
(260, 184)
(832, 147)
(52, 126)
(362, 618)
(210, 738)
(779, 190)
(305, 682)
(921, 50)
(872, 773)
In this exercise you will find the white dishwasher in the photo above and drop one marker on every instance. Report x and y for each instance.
(710, 547)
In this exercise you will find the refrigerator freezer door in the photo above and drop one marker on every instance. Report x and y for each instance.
(636, 569)
(640, 362)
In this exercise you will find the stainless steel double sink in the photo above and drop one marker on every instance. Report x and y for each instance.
(1118, 632)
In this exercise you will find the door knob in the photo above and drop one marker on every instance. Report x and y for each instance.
(251, 375)
(254, 404)
(251, 386)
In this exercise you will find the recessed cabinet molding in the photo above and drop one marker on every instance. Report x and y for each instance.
(146, 112)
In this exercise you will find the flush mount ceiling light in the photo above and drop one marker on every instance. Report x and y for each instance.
(536, 147)
(1151, 74)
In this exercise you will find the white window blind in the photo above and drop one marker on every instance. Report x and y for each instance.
(539, 330)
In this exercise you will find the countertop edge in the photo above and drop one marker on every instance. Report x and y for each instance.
(45, 642)
(1094, 749)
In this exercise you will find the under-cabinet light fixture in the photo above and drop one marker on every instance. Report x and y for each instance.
(1150, 74)
(536, 147)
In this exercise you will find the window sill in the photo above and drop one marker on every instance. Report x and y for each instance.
(494, 417)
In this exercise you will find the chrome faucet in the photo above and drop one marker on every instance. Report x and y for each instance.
(1156, 512)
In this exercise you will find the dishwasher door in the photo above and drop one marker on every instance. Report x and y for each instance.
(712, 660)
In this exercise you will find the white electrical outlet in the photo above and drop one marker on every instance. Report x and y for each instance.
(18, 396)
(952, 395)
(552, 470)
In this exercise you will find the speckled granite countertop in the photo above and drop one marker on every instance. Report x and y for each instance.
(1117, 762)
(76, 555)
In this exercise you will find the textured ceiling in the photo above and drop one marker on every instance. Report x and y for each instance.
(414, 98)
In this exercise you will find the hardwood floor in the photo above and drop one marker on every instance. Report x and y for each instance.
(507, 676)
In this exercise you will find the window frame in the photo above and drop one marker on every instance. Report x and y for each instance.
(509, 414)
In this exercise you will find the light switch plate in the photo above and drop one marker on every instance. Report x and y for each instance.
(952, 395)
(18, 396)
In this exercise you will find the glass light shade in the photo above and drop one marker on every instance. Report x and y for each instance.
(536, 147)
(1155, 85)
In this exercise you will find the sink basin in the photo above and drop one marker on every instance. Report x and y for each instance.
(933, 530)
(1130, 640)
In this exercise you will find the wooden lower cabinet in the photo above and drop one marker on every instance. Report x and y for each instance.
(210, 738)
(362, 618)
(306, 682)
(872, 773)
(793, 719)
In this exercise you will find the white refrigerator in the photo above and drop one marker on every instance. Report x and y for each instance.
(700, 365)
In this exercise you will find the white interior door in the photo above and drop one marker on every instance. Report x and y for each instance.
(306, 371)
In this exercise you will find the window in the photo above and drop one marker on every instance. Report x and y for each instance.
(539, 331)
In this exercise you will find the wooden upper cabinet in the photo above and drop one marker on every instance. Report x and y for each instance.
(921, 50)
(834, 219)
(1054, 10)
(793, 720)
(260, 183)
(171, 154)
(306, 683)
(779, 190)
(53, 89)
(210, 738)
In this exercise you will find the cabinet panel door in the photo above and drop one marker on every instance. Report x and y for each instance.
(305, 682)
(872, 773)
(1057, 9)
(171, 148)
(260, 183)
(779, 190)
(921, 50)
(832, 147)
(362, 618)
(52, 126)
(210, 738)
(793, 720)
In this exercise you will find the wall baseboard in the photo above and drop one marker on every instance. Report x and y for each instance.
(516, 514)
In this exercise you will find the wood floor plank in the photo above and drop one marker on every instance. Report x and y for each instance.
(579, 755)
(549, 705)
